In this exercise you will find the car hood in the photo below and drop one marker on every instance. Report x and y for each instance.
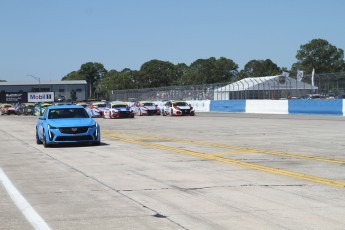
(149, 107)
(182, 107)
(71, 122)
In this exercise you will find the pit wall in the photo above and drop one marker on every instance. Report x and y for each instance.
(316, 107)
(310, 107)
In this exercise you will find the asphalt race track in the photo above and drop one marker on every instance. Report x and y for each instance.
(211, 171)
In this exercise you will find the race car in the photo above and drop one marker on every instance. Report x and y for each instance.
(40, 108)
(118, 110)
(7, 109)
(177, 108)
(146, 108)
(26, 109)
(97, 108)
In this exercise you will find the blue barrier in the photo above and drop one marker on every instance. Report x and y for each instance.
(318, 107)
(228, 106)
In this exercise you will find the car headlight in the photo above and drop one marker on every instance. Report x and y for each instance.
(94, 126)
(51, 127)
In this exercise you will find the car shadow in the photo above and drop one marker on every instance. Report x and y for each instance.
(77, 145)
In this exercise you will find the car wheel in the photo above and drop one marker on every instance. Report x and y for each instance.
(38, 141)
(45, 140)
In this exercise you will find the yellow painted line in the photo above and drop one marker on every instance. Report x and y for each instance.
(229, 153)
(245, 149)
(288, 173)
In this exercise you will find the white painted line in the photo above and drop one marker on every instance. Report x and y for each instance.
(30, 214)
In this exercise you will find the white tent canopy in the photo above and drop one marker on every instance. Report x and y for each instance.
(269, 83)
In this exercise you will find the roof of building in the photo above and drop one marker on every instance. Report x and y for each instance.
(75, 82)
(269, 82)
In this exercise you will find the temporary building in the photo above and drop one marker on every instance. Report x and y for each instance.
(270, 87)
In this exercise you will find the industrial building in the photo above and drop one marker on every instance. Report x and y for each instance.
(18, 91)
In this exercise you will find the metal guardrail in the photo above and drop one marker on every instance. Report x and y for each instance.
(327, 85)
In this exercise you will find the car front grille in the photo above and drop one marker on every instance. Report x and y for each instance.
(152, 112)
(124, 113)
(185, 111)
(75, 138)
(74, 130)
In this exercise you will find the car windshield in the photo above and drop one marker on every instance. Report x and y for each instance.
(148, 104)
(68, 113)
(180, 103)
(102, 105)
(118, 106)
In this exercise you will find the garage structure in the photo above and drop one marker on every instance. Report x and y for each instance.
(61, 89)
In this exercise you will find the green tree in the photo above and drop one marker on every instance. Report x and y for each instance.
(260, 68)
(156, 73)
(320, 55)
(74, 75)
(3, 81)
(92, 72)
(126, 79)
(206, 71)
(73, 95)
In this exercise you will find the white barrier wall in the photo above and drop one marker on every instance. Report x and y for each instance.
(267, 106)
(200, 106)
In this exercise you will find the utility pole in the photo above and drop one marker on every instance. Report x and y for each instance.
(38, 79)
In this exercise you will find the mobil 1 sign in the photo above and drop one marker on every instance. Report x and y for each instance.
(41, 97)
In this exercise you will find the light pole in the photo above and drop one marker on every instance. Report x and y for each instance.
(38, 79)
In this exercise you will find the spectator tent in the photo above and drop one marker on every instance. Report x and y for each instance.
(270, 87)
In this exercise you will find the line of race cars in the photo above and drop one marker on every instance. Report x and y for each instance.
(119, 109)
(108, 109)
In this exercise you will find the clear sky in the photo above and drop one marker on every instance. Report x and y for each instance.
(50, 38)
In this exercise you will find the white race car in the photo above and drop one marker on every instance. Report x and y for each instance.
(118, 110)
(177, 108)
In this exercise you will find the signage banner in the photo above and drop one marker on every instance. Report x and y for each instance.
(41, 97)
(13, 97)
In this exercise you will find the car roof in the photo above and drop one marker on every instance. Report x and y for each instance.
(66, 107)
(118, 103)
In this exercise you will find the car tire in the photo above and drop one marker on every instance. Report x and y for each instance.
(38, 141)
(45, 140)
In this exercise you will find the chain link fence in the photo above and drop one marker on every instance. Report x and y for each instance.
(327, 85)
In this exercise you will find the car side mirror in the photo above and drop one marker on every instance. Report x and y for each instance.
(41, 118)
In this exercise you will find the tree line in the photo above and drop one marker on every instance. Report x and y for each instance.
(317, 54)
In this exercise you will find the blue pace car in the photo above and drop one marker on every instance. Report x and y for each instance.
(67, 124)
